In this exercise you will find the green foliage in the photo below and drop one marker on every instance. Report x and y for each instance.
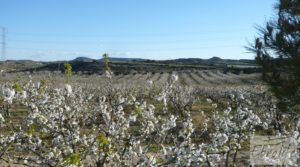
(102, 139)
(154, 148)
(105, 59)
(17, 87)
(68, 72)
(137, 111)
(74, 159)
(160, 160)
(43, 86)
(277, 52)
(31, 130)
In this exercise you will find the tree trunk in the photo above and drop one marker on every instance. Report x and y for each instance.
(227, 158)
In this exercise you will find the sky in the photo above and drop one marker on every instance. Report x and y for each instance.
(48, 30)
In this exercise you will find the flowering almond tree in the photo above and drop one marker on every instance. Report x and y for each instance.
(76, 125)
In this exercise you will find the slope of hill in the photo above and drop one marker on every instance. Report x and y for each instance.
(112, 59)
(127, 65)
(211, 61)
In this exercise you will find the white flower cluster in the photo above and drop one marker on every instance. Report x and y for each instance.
(75, 125)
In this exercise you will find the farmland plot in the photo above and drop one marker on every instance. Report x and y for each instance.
(177, 119)
(197, 78)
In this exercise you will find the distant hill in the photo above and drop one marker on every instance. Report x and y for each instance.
(211, 61)
(112, 59)
(193, 61)
(83, 59)
(115, 59)
(127, 65)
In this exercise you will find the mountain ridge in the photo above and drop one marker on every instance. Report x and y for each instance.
(211, 60)
(127, 65)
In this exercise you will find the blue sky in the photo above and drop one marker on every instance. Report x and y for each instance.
(153, 29)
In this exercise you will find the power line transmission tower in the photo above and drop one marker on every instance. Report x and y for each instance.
(3, 56)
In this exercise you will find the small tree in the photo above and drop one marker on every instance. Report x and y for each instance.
(278, 52)
(68, 72)
(105, 59)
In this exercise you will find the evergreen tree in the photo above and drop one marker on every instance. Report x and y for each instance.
(278, 52)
